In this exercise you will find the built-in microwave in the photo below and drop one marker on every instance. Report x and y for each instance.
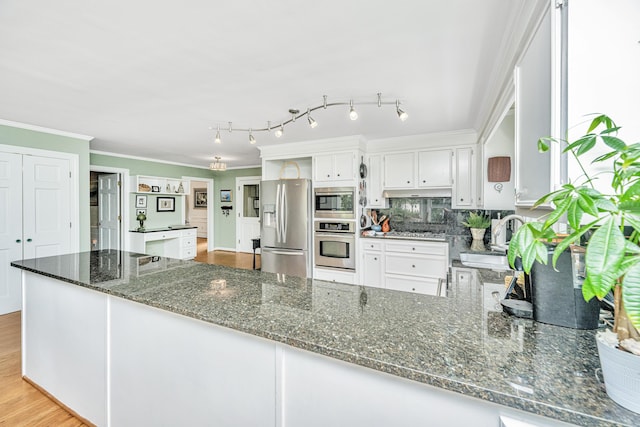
(335, 202)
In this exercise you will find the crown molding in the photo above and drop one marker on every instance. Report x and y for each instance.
(26, 126)
(167, 162)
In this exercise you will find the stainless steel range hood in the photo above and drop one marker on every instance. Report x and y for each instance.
(426, 192)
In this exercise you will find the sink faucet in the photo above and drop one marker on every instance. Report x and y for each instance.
(503, 223)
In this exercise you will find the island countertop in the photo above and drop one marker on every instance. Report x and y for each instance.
(461, 343)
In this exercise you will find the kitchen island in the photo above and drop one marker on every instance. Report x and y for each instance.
(124, 338)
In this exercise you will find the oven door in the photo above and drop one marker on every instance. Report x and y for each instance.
(335, 250)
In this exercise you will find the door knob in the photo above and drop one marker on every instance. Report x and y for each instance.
(29, 240)
(18, 240)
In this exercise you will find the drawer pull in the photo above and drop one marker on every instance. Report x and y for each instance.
(413, 289)
(375, 258)
(413, 249)
(413, 266)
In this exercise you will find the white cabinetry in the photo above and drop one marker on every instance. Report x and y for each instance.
(418, 169)
(410, 266)
(375, 198)
(179, 244)
(464, 189)
(434, 168)
(334, 167)
(372, 265)
(399, 170)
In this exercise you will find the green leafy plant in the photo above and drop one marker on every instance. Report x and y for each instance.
(474, 220)
(612, 260)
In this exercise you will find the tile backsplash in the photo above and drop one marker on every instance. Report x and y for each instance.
(435, 215)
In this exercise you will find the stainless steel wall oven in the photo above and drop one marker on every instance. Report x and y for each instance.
(335, 245)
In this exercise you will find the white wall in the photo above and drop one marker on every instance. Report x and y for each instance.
(501, 143)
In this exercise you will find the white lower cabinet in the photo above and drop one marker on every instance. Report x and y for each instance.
(409, 266)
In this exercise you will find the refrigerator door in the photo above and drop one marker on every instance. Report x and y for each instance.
(285, 214)
(284, 261)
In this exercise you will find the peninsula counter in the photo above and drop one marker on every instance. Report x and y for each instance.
(128, 339)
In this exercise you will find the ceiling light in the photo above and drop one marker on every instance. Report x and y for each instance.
(295, 114)
(401, 114)
(279, 131)
(353, 115)
(312, 122)
(217, 165)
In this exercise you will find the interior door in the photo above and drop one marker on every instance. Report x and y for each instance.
(46, 206)
(108, 211)
(248, 224)
(10, 231)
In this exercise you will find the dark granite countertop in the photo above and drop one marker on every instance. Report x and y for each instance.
(461, 343)
(168, 228)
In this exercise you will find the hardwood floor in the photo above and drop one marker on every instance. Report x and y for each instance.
(21, 404)
(230, 259)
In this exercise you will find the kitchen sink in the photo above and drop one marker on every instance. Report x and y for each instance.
(485, 260)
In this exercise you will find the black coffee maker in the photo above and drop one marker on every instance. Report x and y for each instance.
(518, 300)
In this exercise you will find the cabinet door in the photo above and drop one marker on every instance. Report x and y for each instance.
(323, 168)
(399, 170)
(372, 269)
(343, 167)
(464, 185)
(10, 231)
(374, 190)
(434, 168)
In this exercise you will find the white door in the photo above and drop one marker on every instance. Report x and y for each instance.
(248, 221)
(108, 211)
(10, 231)
(46, 206)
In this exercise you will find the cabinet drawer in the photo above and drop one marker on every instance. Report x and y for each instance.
(432, 248)
(412, 265)
(187, 253)
(427, 285)
(161, 235)
(371, 245)
(193, 232)
(188, 242)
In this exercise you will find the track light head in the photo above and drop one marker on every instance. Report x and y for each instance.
(252, 140)
(218, 140)
(401, 114)
(278, 133)
(353, 115)
(312, 122)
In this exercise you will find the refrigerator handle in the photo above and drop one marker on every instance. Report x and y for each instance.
(298, 253)
(278, 213)
(284, 215)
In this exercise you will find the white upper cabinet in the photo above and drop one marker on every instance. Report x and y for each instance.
(334, 167)
(399, 170)
(464, 189)
(374, 179)
(434, 168)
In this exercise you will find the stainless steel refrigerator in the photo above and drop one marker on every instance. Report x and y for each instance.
(285, 230)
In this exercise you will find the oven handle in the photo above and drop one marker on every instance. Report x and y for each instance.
(343, 236)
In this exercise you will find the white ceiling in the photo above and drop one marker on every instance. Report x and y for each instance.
(149, 78)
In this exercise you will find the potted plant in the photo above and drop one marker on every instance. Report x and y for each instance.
(478, 225)
(612, 260)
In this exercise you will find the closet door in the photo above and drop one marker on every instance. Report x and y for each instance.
(10, 231)
(46, 206)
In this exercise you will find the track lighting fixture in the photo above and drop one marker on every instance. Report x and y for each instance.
(312, 122)
(353, 115)
(217, 165)
(295, 114)
(401, 114)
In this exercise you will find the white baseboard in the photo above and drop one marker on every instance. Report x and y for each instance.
(224, 249)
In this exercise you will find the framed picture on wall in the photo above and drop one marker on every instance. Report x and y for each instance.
(166, 204)
(141, 201)
(199, 197)
(225, 195)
